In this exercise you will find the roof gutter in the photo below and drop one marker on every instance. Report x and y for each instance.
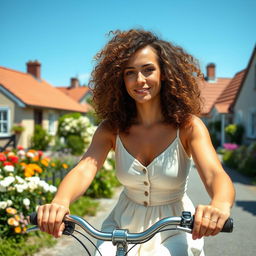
(12, 97)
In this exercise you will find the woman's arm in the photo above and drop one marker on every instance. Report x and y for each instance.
(76, 182)
(209, 219)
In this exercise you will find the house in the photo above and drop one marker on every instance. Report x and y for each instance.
(222, 107)
(211, 89)
(27, 99)
(244, 105)
(237, 102)
(79, 93)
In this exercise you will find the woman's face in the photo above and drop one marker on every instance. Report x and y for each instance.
(142, 75)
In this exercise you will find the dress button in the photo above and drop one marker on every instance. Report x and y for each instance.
(145, 203)
(145, 183)
(146, 193)
(144, 171)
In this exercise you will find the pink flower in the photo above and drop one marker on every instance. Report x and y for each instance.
(230, 146)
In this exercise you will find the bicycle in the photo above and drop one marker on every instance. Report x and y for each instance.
(122, 237)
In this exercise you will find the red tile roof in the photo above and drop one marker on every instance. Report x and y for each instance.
(77, 94)
(210, 92)
(36, 93)
(228, 96)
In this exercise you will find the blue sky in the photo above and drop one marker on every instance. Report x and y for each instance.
(64, 35)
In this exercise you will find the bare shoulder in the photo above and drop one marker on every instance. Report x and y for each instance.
(194, 130)
(195, 127)
(106, 133)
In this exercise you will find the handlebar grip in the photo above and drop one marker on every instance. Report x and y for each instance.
(69, 226)
(33, 218)
(228, 226)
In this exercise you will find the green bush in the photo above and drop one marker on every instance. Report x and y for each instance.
(229, 158)
(84, 206)
(76, 144)
(235, 133)
(25, 245)
(247, 164)
(103, 185)
(41, 139)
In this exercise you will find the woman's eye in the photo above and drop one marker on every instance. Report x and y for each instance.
(148, 70)
(128, 73)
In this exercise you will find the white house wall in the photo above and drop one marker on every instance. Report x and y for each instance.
(246, 101)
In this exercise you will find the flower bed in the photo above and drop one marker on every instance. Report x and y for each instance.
(22, 188)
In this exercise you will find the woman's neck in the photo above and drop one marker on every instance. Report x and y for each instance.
(149, 114)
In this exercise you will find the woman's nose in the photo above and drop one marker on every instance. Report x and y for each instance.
(141, 78)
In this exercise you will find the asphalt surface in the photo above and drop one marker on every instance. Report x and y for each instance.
(242, 242)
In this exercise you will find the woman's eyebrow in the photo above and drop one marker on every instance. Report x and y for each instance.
(142, 66)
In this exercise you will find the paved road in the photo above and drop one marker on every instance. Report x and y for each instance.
(239, 243)
(242, 242)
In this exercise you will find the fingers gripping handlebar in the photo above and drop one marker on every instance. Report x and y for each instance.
(185, 223)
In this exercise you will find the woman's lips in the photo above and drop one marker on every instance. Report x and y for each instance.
(142, 90)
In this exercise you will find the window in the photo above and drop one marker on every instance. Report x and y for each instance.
(252, 124)
(38, 116)
(4, 121)
(52, 126)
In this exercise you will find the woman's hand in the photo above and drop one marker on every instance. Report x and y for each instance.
(209, 220)
(50, 217)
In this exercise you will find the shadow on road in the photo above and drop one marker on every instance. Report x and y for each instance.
(249, 206)
(237, 177)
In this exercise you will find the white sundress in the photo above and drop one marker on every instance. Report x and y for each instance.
(151, 193)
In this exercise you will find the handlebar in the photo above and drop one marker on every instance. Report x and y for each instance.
(184, 223)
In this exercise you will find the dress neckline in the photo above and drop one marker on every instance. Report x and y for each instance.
(155, 158)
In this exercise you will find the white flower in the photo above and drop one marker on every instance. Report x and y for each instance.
(9, 202)
(52, 189)
(3, 204)
(26, 201)
(19, 179)
(9, 168)
(107, 166)
(21, 153)
(7, 181)
(21, 187)
(30, 154)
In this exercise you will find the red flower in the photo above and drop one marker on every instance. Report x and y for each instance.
(7, 163)
(40, 153)
(2, 157)
(20, 148)
(13, 159)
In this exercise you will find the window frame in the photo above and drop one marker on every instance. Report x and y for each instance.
(8, 121)
(252, 122)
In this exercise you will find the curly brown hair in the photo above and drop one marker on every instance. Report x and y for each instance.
(180, 94)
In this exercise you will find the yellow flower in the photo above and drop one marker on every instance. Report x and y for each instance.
(17, 230)
(24, 229)
(45, 162)
(11, 210)
(65, 166)
(13, 222)
(29, 171)
(36, 168)
(17, 217)
(53, 164)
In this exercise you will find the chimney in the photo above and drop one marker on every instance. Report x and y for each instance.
(74, 83)
(34, 68)
(210, 68)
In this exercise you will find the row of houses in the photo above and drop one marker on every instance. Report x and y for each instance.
(27, 99)
(232, 100)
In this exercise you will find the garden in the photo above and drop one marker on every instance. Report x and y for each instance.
(235, 154)
(29, 177)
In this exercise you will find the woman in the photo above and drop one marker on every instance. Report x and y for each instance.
(146, 91)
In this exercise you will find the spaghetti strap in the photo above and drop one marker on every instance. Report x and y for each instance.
(178, 133)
